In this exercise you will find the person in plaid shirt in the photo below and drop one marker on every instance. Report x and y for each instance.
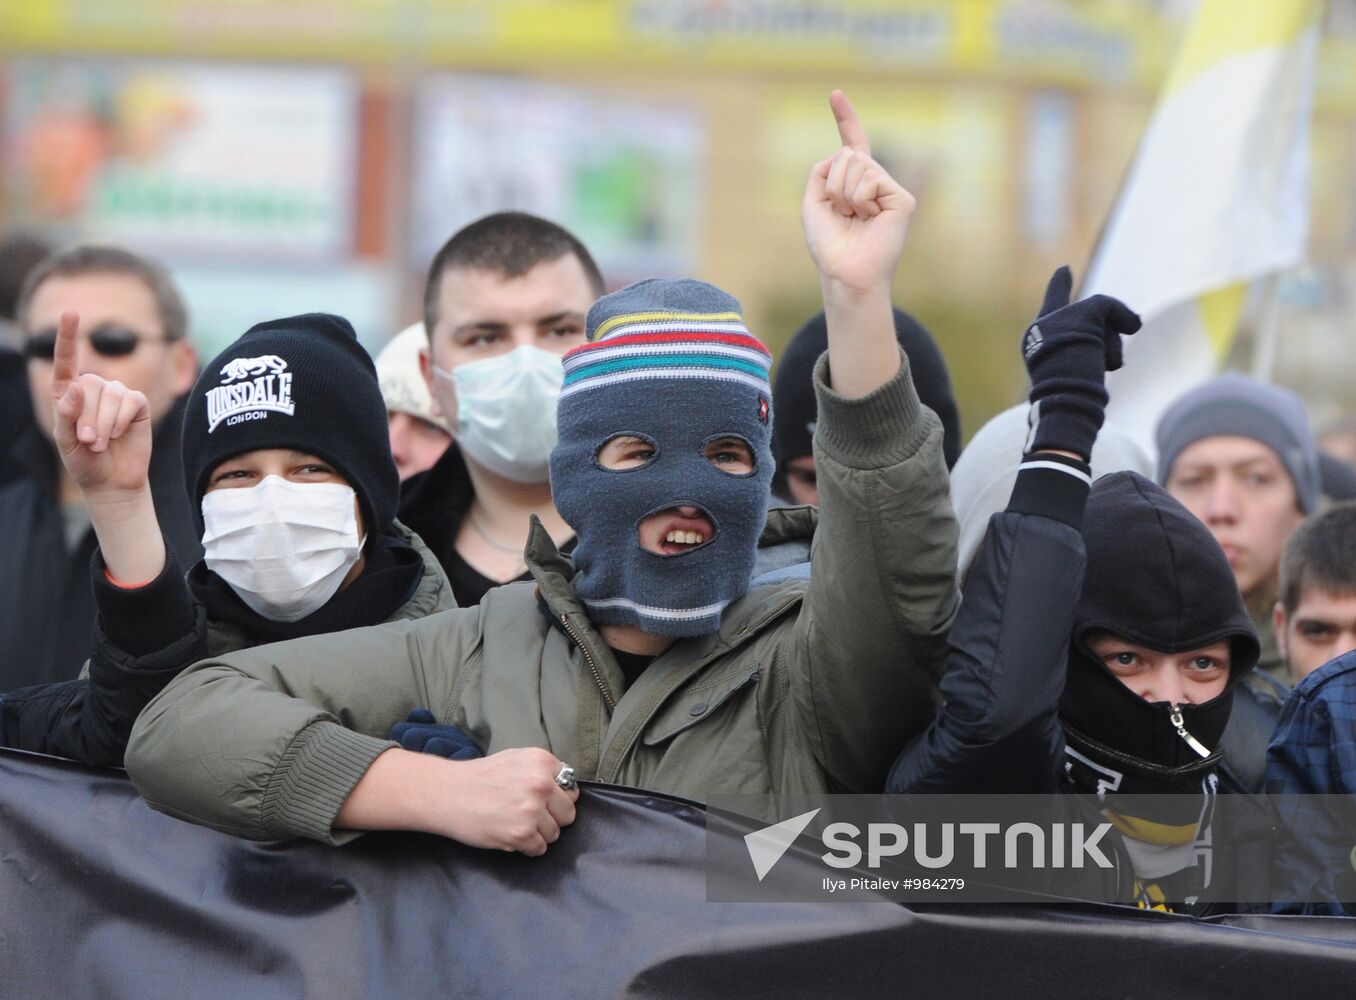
(1314, 753)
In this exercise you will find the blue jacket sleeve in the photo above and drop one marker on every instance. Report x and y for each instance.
(998, 729)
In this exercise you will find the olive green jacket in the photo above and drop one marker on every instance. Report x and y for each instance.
(808, 686)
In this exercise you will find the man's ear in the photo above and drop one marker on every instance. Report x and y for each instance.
(1278, 625)
(183, 366)
(426, 370)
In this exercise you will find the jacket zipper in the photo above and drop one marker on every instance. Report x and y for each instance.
(1176, 719)
(588, 658)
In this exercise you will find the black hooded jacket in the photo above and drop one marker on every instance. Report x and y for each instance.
(1157, 577)
(1149, 572)
(47, 611)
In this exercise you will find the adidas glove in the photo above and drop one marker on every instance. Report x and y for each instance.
(1068, 351)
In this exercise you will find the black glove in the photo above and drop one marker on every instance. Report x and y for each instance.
(1068, 351)
(422, 733)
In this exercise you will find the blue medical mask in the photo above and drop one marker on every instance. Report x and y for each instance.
(506, 411)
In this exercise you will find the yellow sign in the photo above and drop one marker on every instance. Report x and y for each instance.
(1069, 44)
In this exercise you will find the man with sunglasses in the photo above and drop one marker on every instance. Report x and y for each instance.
(133, 329)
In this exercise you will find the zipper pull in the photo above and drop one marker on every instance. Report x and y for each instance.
(1175, 717)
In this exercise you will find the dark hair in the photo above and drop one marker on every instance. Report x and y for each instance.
(95, 258)
(20, 252)
(1320, 553)
(510, 243)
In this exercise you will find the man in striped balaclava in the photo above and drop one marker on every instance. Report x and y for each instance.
(664, 458)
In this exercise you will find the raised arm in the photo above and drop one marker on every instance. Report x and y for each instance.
(882, 587)
(149, 627)
(997, 730)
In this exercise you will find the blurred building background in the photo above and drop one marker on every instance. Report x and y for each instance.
(292, 155)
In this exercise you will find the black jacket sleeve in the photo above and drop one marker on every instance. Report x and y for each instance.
(998, 729)
(143, 637)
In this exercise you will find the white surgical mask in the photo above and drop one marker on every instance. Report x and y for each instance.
(283, 547)
(506, 411)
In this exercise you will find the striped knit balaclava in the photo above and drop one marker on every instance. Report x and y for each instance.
(668, 361)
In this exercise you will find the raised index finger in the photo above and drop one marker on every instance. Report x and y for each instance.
(850, 129)
(63, 357)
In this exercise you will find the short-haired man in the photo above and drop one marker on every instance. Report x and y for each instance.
(133, 329)
(1315, 617)
(506, 296)
(1239, 454)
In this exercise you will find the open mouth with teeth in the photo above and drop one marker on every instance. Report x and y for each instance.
(680, 531)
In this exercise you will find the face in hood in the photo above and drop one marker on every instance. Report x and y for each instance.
(1156, 577)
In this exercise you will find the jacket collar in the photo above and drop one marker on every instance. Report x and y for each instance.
(742, 619)
(789, 524)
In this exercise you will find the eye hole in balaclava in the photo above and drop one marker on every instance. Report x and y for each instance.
(731, 454)
(627, 452)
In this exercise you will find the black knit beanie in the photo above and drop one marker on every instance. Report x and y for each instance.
(304, 383)
(795, 412)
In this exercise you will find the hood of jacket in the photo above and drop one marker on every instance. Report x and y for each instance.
(1157, 577)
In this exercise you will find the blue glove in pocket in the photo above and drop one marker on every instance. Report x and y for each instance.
(422, 733)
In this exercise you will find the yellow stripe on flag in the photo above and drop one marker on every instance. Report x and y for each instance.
(1222, 29)
(1219, 310)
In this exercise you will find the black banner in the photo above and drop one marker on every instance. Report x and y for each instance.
(101, 897)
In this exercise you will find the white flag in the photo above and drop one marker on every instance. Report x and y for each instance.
(1216, 197)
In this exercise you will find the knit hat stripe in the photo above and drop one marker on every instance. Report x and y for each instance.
(666, 361)
(679, 327)
(677, 335)
(664, 614)
(760, 383)
(619, 325)
(692, 351)
(691, 355)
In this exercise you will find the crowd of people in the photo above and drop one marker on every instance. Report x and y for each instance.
(552, 533)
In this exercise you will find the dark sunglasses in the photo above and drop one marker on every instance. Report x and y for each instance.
(107, 341)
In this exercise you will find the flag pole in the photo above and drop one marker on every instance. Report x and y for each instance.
(1268, 329)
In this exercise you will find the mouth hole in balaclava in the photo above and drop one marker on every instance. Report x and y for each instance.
(676, 533)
